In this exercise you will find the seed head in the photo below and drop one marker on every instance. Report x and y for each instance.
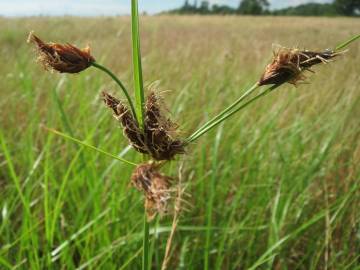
(130, 127)
(288, 65)
(160, 132)
(64, 58)
(159, 138)
(155, 186)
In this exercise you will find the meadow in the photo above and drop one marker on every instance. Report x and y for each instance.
(274, 187)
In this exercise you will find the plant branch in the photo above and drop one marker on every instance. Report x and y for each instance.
(116, 79)
(346, 43)
(65, 136)
(227, 115)
(233, 105)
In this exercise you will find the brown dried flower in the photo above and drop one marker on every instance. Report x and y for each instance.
(130, 127)
(160, 131)
(288, 65)
(159, 138)
(64, 58)
(155, 186)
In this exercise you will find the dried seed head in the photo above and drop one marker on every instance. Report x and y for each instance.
(130, 127)
(160, 132)
(159, 138)
(64, 58)
(288, 65)
(155, 186)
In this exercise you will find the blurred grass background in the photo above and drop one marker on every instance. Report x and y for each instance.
(275, 187)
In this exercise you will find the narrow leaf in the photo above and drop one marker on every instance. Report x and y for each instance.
(138, 81)
(346, 43)
(65, 136)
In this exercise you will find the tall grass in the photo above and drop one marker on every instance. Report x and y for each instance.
(282, 177)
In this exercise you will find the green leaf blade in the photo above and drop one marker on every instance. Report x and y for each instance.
(138, 80)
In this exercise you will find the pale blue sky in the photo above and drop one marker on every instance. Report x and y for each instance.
(107, 7)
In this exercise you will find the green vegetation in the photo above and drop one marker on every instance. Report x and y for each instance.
(274, 187)
(261, 7)
(309, 9)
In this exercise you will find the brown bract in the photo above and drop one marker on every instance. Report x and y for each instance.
(64, 58)
(155, 186)
(159, 138)
(160, 132)
(288, 65)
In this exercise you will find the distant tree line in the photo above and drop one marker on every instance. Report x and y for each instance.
(261, 7)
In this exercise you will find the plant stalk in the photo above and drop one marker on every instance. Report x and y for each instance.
(346, 43)
(83, 143)
(136, 53)
(233, 105)
(116, 79)
(145, 258)
(139, 103)
(230, 113)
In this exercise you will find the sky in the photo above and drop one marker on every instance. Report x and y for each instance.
(109, 7)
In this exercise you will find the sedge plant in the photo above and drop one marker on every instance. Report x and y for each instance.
(151, 133)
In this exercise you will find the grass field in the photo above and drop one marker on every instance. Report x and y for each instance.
(274, 187)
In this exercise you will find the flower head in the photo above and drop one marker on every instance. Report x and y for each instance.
(159, 138)
(288, 65)
(155, 186)
(131, 129)
(64, 58)
(160, 131)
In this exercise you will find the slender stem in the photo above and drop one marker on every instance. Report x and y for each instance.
(210, 203)
(65, 136)
(346, 43)
(116, 79)
(145, 258)
(139, 103)
(227, 115)
(136, 53)
(233, 105)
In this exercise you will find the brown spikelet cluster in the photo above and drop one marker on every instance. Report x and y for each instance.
(155, 186)
(288, 65)
(130, 127)
(159, 137)
(64, 58)
(160, 131)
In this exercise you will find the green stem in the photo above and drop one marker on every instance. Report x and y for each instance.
(227, 115)
(145, 258)
(116, 79)
(210, 204)
(136, 53)
(139, 103)
(65, 136)
(233, 105)
(346, 43)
